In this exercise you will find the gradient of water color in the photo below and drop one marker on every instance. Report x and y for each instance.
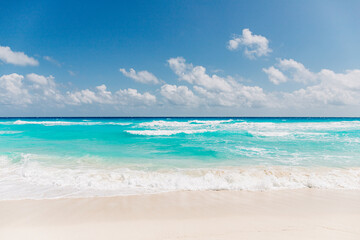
(84, 157)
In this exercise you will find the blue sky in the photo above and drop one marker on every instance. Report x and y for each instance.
(292, 58)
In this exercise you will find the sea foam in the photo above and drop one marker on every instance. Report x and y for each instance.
(110, 157)
(31, 179)
(165, 132)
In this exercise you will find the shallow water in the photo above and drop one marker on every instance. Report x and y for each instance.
(65, 157)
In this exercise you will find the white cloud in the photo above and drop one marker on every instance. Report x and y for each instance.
(142, 76)
(103, 96)
(332, 89)
(12, 90)
(275, 75)
(197, 75)
(198, 90)
(213, 90)
(322, 88)
(241, 96)
(290, 70)
(37, 89)
(179, 95)
(39, 79)
(87, 96)
(44, 88)
(133, 97)
(297, 71)
(16, 58)
(41, 90)
(255, 45)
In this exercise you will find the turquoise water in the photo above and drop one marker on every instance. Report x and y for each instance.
(65, 157)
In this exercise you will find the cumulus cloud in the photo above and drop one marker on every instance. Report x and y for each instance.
(44, 88)
(322, 88)
(331, 89)
(179, 95)
(102, 96)
(12, 90)
(275, 75)
(142, 76)
(39, 79)
(16, 58)
(298, 72)
(197, 89)
(289, 69)
(86, 96)
(133, 97)
(254, 45)
(212, 90)
(37, 89)
(197, 75)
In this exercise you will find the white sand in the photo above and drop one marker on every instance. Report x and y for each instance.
(288, 214)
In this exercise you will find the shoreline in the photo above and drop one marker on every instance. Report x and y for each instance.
(288, 214)
(29, 180)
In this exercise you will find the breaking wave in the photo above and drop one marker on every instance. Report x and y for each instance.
(28, 178)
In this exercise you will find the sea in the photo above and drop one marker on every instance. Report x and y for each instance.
(44, 158)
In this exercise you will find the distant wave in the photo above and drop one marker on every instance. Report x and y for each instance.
(30, 179)
(174, 155)
(211, 122)
(165, 132)
(9, 132)
(275, 127)
(191, 123)
(295, 126)
(270, 134)
(162, 123)
(62, 123)
(257, 129)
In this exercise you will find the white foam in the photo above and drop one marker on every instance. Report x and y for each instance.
(211, 122)
(265, 129)
(162, 123)
(63, 123)
(164, 132)
(31, 179)
(191, 123)
(296, 126)
(167, 128)
(269, 134)
(9, 132)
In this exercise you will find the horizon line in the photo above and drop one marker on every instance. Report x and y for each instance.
(177, 117)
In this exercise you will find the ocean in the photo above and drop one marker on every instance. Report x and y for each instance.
(44, 158)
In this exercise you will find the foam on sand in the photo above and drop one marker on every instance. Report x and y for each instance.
(31, 179)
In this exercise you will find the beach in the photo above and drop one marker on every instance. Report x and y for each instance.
(179, 120)
(179, 178)
(282, 214)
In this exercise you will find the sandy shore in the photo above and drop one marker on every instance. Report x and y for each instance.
(288, 214)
